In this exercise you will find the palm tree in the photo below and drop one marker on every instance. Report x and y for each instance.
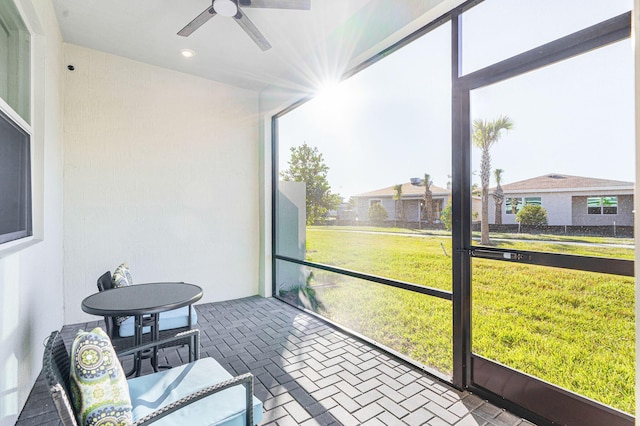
(498, 196)
(399, 206)
(428, 199)
(485, 135)
(514, 205)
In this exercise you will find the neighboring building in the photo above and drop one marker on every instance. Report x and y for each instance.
(346, 212)
(411, 203)
(569, 200)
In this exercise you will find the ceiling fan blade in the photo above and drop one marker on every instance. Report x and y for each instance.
(277, 4)
(197, 22)
(246, 24)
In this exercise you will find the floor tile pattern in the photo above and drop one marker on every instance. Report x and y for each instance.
(308, 373)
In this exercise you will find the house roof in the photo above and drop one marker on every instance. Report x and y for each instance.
(556, 181)
(408, 190)
(552, 182)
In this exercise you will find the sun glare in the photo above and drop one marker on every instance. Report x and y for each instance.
(335, 102)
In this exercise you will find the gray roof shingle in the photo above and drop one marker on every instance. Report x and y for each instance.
(557, 181)
(408, 190)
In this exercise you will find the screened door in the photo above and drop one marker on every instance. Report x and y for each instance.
(551, 246)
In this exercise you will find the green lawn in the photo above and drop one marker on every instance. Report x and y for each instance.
(571, 328)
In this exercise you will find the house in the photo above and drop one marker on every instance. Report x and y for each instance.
(569, 200)
(410, 204)
(156, 149)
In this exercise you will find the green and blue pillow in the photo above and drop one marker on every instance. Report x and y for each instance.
(121, 277)
(99, 389)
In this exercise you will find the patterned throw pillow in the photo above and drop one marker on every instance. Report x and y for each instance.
(99, 389)
(121, 277)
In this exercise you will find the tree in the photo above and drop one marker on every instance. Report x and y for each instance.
(307, 165)
(475, 190)
(399, 206)
(485, 135)
(514, 204)
(532, 214)
(445, 216)
(428, 199)
(498, 196)
(352, 203)
(377, 214)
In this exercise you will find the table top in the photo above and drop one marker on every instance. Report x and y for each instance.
(140, 299)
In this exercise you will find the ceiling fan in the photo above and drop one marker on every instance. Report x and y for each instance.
(231, 8)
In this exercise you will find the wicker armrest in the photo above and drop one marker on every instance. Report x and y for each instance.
(246, 379)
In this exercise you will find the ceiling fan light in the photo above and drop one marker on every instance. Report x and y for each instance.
(225, 7)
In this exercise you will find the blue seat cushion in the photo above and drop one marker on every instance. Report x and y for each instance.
(176, 318)
(227, 407)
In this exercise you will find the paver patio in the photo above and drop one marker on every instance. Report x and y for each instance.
(308, 373)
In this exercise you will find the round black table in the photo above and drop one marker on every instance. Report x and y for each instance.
(143, 299)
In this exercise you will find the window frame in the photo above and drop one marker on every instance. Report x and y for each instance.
(601, 208)
(508, 208)
(15, 241)
(591, 38)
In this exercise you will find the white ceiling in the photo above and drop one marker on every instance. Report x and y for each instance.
(145, 30)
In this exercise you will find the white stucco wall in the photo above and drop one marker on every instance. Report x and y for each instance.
(292, 233)
(623, 217)
(558, 206)
(161, 171)
(569, 208)
(31, 278)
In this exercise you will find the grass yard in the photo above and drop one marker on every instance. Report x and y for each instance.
(571, 328)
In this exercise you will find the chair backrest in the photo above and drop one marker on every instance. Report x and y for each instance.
(55, 365)
(105, 283)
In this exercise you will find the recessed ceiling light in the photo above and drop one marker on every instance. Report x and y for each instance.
(187, 53)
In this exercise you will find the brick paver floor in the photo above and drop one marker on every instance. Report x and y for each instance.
(308, 373)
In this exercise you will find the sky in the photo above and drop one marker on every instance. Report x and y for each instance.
(392, 121)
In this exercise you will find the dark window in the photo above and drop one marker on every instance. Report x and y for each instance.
(602, 205)
(15, 181)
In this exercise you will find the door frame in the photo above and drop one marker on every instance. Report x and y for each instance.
(533, 398)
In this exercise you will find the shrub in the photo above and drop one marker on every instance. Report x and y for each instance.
(445, 216)
(531, 214)
(377, 214)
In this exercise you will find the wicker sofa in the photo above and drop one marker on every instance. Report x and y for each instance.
(198, 393)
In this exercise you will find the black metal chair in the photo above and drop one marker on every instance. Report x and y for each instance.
(122, 343)
(56, 369)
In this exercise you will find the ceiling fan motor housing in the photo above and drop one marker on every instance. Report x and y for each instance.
(225, 7)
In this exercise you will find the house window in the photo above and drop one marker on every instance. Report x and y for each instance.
(602, 205)
(514, 204)
(374, 202)
(15, 132)
(15, 51)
